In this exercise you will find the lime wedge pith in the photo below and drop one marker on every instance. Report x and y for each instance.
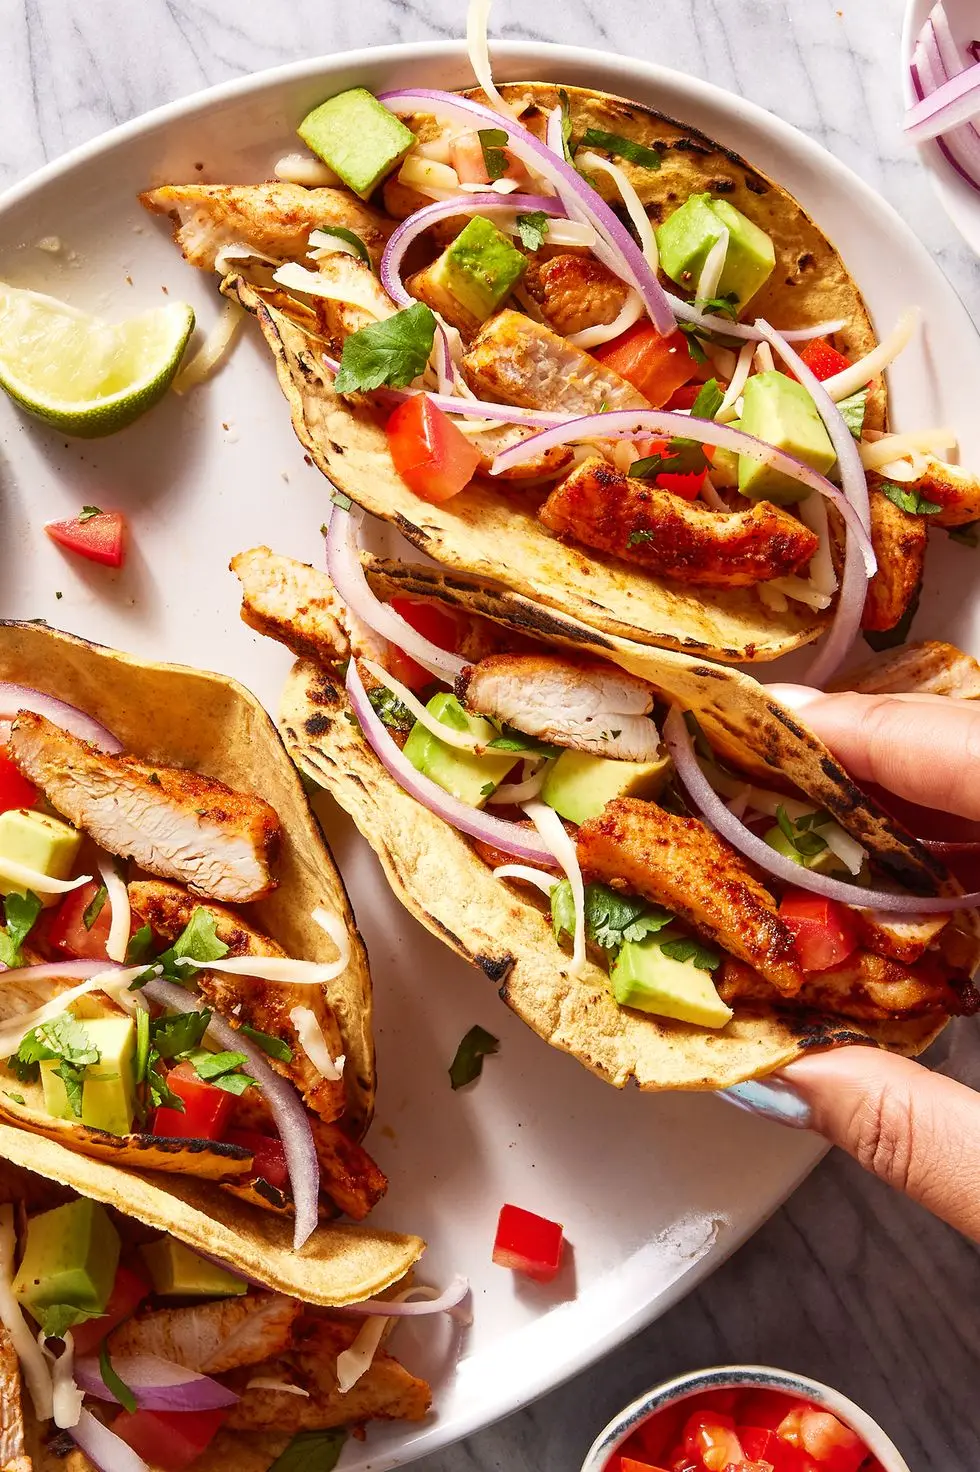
(79, 374)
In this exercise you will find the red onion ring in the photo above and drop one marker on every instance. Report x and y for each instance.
(14, 698)
(946, 848)
(288, 1110)
(466, 408)
(157, 1384)
(928, 70)
(955, 102)
(55, 970)
(510, 837)
(383, 1307)
(103, 1447)
(347, 576)
(680, 744)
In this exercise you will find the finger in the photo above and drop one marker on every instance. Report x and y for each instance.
(925, 748)
(916, 1130)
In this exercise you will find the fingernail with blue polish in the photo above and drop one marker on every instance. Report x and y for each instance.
(777, 1101)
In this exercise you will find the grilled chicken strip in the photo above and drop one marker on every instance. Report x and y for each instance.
(899, 937)
(588, 706)
(515, 360)
(386, 1391)
(249, 1000)
(929, 668)
(292, 602)
(866, 987)
(602, 508)
(172, 822)
(574, 292)
(952, 488)
(680, 864)
(212, 1337)
(13, 1452)
(363, 299)
(899, 540)
(274, 218)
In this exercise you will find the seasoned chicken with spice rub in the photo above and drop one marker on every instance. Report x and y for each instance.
(292, 602)
(676, 862)
(13, 1452)
(866, 987)
(212, 1337)
(574, 292)
(899, 541)
(515, 360)
(626, 517)
(587, 706)
(170, 821)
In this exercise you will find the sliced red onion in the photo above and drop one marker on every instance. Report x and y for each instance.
(347, 576)
(747, 331)
(716, 814)
(956, 102)
(402, 1309)
(553, 133)
(103, 1447)
(56, 970)
(14, 698)
(510, 837)
(961, 146)
(288, 1111)
(632, 423)
(467, 408)
(157, 1384)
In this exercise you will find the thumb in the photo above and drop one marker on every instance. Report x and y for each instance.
(916, 1130)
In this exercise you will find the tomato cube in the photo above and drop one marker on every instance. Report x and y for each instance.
(825, 931)
(629, 1464)
(98, 536)
(656, 366)
(15, 790)
(831, 1444)
(823, 360)
(207, 1108)
(432, 455)
(468, 159)
(67, 932)
(168, 1440)
(128, 1292)
(268, 1156)
(433, 623)
(527, 1243)
(710, 1435)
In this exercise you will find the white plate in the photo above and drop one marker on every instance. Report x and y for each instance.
(958, 199)
(653, 1191)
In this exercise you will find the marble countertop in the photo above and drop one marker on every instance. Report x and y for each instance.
(847, 1282)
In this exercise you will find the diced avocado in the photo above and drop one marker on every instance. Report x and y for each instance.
(70, 1257)
(825, 862)
(358, 137)
(643, 977)
(467, 776)
(177, 1272)
(724, 465)
(580, 784)
(779, 411)
(39, 842)
(108, 1087)
(479, 268)
(686, 237)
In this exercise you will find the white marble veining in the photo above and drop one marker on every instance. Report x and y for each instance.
(846, 1283)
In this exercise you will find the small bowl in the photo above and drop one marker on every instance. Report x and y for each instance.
(727, 1377)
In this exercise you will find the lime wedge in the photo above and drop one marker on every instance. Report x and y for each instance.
(82, 375)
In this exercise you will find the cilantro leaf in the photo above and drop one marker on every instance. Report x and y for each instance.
(853, 410)
(199, 939)
(393, 351)
(702, 745)
(694, 333)
(342, 233)
(686, 949)
(682, 457)
(493, 141)
(720, 306)
(532, 228)
(160, 1092)
(338, 498)
(17, 1098)
(566, 124)
(210, 1066)
(562, 909)
(467, 1065)
(233, 1083)
(140, 946)
(63, 1038)
(643, 535)
(968, 535)
(800, 835)
(87, 512)
(56, 1318)
(94, 909)
(73, 1078)
(20, 911)
(620, 147)
(311, 1451)
(275, 1047)
(610, 918)
(910, 500)
(113, 1383)
(172, 1035)
(708, 401)
(391, 711)
(514, 740)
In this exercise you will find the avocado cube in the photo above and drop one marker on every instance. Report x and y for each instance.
(467, 776)
(643, 977)
(724, 465)
(70, 1257)
(36, 841)
(751, 257)
(779, 411)
(686, 237)
(177, 1272)
(479, 269)
(357, 137)
(108, 1087)
(580, 784)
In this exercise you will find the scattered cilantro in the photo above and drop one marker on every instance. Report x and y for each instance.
(708, 401)
(94, 908)
(63, 1038)
(686, 949)
(620, 147)
(566, 124)
(175, 1034)
(890, 638)
(493, 141)
(488, 789)
(393, 351)
(154, 779)
(681, 457)
(610, 918)
(853, 410)
(17, 1098)
(468, 1062)
(720, 306)
(198, 941)
(339, 499)
(87, 512)
(275, 1047)
(142, 1044)
(211, 1066)
(59, 595)
(57, 1318)
(344, 234)
(801, 834)
(694, 333)
(391, 711)
(140, 946)
(311, 1451)
(968, 534)
(113, 1383)
(513, 740)
(233, 1083)
(908, 499)
(635, 538)
(19, 912)
(532, 228)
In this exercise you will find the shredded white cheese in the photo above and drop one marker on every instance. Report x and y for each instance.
(22, 877)
(461, 740)
(428, 176)
(213, 350)
(764, 362)
(66, 1396)
(733, 393)
(266, 1382)
(336, 927)
(122, 915)
(878, 453)
(238, 250)
(772, 598)
(113, 983)
(552, 831)
(297, 278)
(533, 774)
(711, 271)
(843, 384)
(800, 591)
(37, 1375)
(592, 337)
(539, 877)
(632, 201)
(354, 1362)
(321, 244)
(813, 512)
(478, 51)
(303, 168)
(314, 1044)
(560, 232)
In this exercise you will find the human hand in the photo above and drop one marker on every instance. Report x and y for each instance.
(916, 1130)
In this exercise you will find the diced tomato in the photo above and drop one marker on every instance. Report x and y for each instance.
(710, 1435)
(169, 1440)
(825, 931)
(831, 1444)
(466, 157)
(439, 627)
(406, 669)
(433, 457)
(98, 537)
(823, 360)
(684, 397)
(128, 1292)
(67, 933)
(269, 1158)
(207, 1108)
(528, 1243)
(688, 483)
(15, 790)
(765, 1408)
(656, 366)
(629, 1464)
(758, 1442)
(654, 1440)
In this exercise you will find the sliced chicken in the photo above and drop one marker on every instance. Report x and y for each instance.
(680, 864)
(247, 1000)
(386, 1391)
(287, 600)
(172, 822)
(212, 1337)
(952, 488)
(361, 298)
(13, 1452)
(602, 508)
(574, 292)
(491, 442)
(867, 987)
(899, 540)
(929, 668)
(897, 936)
(426, 286)
(274, 218)
(515, 360)
(588, 706)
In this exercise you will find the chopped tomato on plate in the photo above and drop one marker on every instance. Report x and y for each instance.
(823, 360)
(433, 457)
(169, 1440)
(98, 536)
(656, 366)
(67, 932)
(207, 1109)
(268, 1156)
(15, 790)
(128, 1292)
(528, 1243)
(435, 624)
(824, 930)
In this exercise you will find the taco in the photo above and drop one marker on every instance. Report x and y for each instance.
(185, 994)
(517, 395)
(595, 875)
(120, 1346)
